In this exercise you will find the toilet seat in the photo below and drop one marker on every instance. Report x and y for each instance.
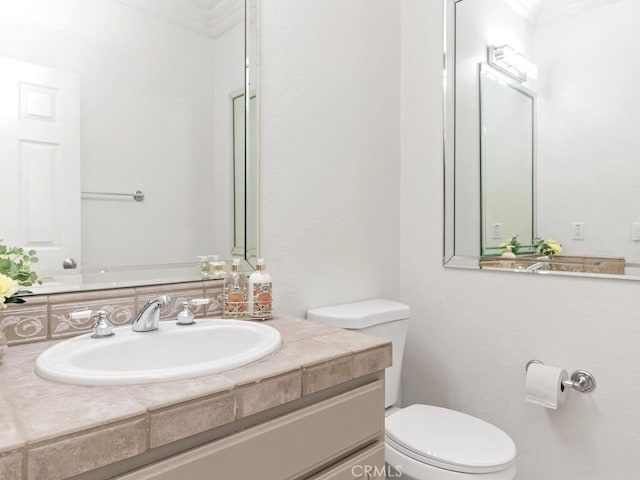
(449, 440)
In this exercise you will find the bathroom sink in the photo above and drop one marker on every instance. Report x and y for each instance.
(172, 352)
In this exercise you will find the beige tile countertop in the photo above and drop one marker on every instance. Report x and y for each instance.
(55, 431)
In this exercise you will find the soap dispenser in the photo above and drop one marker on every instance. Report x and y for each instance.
(235, 292)
(508, 258)
(260, 300)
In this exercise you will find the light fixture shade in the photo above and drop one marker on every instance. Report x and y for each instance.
(511, 62)
(525, 65)
(507, 54)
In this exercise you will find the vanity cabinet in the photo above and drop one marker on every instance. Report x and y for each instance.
(365, 465)
(340, 438)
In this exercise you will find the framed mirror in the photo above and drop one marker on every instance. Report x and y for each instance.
(539, 151)
(124, 141)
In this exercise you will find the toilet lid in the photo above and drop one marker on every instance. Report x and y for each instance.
(448, 439)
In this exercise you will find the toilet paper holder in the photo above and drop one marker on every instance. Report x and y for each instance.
(581, 380)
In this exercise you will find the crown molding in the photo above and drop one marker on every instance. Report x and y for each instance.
(212, 22)
(543, 11)
(551, 11)
(225, 15)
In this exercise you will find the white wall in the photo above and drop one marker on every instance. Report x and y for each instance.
(472, 332)
(330, 236)
(146, 106)
(587, 135)
(330, 152)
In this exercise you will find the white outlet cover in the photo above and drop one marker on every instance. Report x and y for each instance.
(578, 230)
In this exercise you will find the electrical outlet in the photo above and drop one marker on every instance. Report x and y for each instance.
(497, 231)
(578, 230)
(635, 231)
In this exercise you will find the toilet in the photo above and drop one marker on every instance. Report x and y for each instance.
(423, 442)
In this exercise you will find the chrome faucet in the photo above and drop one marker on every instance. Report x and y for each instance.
(534, 267)
(148, 318)
(539, 265)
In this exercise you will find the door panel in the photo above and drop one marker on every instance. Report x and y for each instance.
(40, 161)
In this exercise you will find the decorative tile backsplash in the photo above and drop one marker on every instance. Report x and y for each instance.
(46, 317)
(28, 322)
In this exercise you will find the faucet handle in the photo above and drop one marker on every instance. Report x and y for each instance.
(83, 315)
(198, 301)
(101, 328)
(186, 316)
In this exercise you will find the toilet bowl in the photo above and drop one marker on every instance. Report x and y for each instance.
(423, 442)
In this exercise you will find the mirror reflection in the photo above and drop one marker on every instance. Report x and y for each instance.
(540, 152)
(100, 99)
(507, 160)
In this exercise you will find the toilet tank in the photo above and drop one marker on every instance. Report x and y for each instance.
(380, 318)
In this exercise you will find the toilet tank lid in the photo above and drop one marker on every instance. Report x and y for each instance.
(359, 315)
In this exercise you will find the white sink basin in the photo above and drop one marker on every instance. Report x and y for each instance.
(171, 353)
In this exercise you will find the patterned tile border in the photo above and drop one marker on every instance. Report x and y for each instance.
(46, 317)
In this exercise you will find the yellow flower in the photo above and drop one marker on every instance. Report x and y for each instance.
(554, 246)
(8, 287)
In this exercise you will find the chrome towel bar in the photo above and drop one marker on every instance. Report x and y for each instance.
(138, 196)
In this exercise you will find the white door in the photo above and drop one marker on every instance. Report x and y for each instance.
(40, 161)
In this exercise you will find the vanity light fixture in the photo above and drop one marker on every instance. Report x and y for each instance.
(506, 59)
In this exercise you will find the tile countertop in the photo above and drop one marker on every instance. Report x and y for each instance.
(44, 425)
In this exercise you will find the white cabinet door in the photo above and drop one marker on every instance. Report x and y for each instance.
(40, 161)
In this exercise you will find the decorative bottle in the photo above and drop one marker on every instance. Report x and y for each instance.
(218, 272)
(203, 266)
(260, 300)
(508, 258)
(235, 292)
(216, 268)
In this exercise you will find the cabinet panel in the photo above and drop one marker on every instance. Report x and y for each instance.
(286, 447)
(367, 465)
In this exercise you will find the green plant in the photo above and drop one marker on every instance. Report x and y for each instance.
(16, 264)
(513, 242)
(547, 247)
(15, 271)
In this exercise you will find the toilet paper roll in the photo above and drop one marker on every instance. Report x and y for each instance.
(544, 385)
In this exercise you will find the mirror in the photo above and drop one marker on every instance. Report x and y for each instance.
(100, 99)
(539, 142)
(506, 159)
